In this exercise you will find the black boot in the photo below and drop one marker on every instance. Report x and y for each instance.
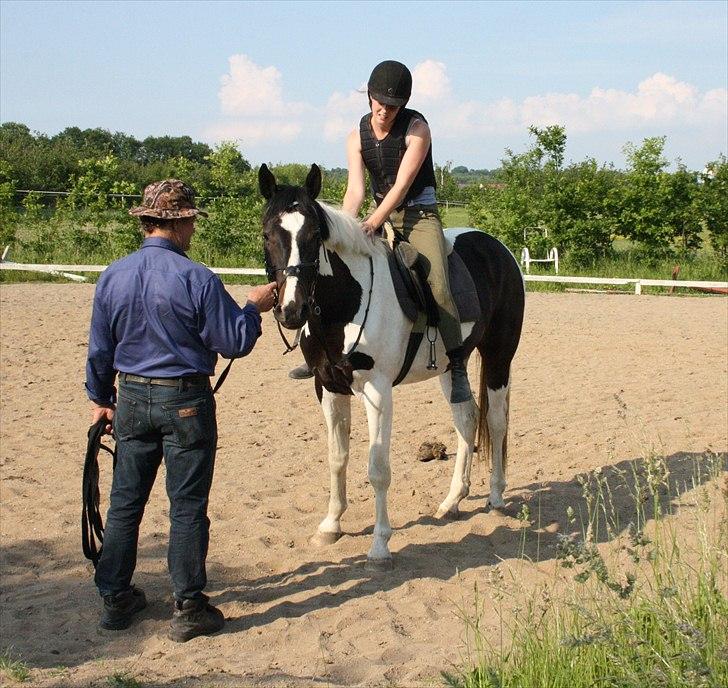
(459, 373)
(119, 609)
(194, 617)
(302, 372)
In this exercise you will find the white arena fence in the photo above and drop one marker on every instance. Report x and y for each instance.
(70, 272)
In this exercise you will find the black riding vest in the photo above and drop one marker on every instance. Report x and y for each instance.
(382, 158)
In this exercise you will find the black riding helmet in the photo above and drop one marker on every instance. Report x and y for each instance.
(390, 83)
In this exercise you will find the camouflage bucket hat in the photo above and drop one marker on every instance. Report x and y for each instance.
(168, 200)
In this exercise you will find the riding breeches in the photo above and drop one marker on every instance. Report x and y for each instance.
(421, 226)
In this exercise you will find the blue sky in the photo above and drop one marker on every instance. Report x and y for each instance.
(281, 78)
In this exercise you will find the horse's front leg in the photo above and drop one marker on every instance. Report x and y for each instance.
(465, 417)
(378, 403)
(337, 411)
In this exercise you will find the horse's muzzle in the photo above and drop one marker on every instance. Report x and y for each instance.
(292, 317)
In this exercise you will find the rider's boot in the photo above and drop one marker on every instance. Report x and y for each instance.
(459, 373)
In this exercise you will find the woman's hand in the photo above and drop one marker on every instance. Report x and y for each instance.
(369, 229)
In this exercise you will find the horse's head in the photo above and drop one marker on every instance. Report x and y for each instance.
(294, 228)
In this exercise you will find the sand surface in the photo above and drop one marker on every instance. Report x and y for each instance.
(599, 380)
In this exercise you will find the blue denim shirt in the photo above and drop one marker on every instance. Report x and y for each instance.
(156, 313)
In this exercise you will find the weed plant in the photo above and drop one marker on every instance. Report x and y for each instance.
(647, 608)
(12, 667)
(122, 680)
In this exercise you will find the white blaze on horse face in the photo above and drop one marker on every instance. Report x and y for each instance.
(292, 223)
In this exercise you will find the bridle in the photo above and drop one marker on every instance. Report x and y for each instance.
(272, 272)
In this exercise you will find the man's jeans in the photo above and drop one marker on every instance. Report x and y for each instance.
(178, 423)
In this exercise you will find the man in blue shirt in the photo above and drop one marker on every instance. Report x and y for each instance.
(159, 322)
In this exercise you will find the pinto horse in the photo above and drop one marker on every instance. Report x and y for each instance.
(334, 282)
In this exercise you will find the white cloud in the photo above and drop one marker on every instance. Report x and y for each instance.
(430, 81)
(249, 89)
(252, 98)
(343, 111)
(660, 101)
(254, 132)
(255, 109)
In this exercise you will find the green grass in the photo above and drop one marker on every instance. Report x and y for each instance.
(454, 216)
(651, 612)
(702, 267)
(121, 679)
(51, 244)
(13, 667)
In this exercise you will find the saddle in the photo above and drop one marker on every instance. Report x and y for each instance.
(414, 293)
(416, 300)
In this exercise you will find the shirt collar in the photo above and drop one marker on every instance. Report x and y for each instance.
(160, 242)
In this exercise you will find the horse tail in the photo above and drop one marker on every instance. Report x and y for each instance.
(483, 433)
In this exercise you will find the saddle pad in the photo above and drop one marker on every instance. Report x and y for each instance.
(462, 288)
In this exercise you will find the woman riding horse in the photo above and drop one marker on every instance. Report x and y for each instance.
(393, 144)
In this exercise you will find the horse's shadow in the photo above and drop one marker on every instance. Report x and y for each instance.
(530, 533)
(33, 585)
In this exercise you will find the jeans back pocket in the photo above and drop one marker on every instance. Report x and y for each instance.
(123, 421)
(193, 422)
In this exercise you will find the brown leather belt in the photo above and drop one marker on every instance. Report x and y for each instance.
(165, 381)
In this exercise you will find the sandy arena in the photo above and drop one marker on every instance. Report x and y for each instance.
(599, 380)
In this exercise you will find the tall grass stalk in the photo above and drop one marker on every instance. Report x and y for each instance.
(13, 667)
(648, 607)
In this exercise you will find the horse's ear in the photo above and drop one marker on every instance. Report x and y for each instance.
(313, 181)
(266, 182)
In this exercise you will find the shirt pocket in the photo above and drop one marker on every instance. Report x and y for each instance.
(192, 422)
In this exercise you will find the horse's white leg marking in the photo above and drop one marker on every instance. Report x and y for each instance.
(498, 427)
(378, 402)
(337, 411)
(465, 417)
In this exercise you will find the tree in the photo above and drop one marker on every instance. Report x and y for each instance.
(534, 192)
(640, 199)
(235, 207)
(8, 216)
(712, 203)
(156, 148)
(447, 186)
(680, 191)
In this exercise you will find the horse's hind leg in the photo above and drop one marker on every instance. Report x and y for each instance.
(337, 411)
(465, 416)
(378, 403)
(496, 356)
(497, 419)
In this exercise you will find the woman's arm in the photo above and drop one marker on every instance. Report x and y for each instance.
(355, 184)
(418, 143)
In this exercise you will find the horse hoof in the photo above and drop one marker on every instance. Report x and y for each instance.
(496, 503)
(380, 564)
(322, 539)
(448, 515)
